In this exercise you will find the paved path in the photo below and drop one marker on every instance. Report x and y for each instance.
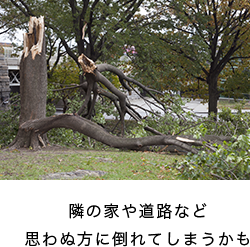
(196, 106)
(202, 109)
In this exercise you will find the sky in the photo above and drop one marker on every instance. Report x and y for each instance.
(19, 38)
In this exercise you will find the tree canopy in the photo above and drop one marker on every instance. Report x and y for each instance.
(200, 46)
(205, 42)
(106, 22)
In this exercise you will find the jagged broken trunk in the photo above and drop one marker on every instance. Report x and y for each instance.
(33, 84)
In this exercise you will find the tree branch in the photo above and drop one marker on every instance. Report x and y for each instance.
(90, 129)
(30, 13)
(21, 9)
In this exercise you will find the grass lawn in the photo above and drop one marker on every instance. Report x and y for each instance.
(27, 164)
(232, 104)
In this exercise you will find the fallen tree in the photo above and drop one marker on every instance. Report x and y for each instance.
(34, 125)
(39, 127)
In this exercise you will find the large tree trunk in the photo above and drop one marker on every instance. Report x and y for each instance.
(33, 84)
(212, 81)
(38, 127)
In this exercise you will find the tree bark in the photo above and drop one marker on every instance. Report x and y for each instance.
(40, 126)
(93, 76)
(212, 81)
(33, 80)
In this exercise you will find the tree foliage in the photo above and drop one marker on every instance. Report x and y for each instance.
(230, 162)
(63, 84)
(106, 23)
(206, 42)
(9, 121)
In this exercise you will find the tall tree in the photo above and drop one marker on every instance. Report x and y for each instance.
(204, 38)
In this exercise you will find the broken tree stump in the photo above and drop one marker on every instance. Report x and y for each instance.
(33, 72)
(33, 81)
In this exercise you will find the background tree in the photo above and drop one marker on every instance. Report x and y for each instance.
(204, 39)
(106, 22)
(63, 83)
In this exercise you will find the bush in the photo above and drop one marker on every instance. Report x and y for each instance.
(65, 137)
(230, 161)
(185, 123)
(9, 122)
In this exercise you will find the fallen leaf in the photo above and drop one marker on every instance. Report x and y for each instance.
(101, 180)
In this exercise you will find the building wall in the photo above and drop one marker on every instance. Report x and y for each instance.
(4, 82)
(13, 66)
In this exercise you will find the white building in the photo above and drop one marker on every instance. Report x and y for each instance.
(13, 64)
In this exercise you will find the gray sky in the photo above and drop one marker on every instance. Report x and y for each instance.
(18, 39)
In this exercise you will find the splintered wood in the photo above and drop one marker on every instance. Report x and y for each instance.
(88, 66)
(33, 41)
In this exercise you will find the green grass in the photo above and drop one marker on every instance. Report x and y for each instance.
(119, 165)
(232, 104)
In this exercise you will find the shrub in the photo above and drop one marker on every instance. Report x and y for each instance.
(9, 122)
(65, 137)
(230, 161)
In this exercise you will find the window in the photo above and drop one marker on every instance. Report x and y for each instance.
(7, 52)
